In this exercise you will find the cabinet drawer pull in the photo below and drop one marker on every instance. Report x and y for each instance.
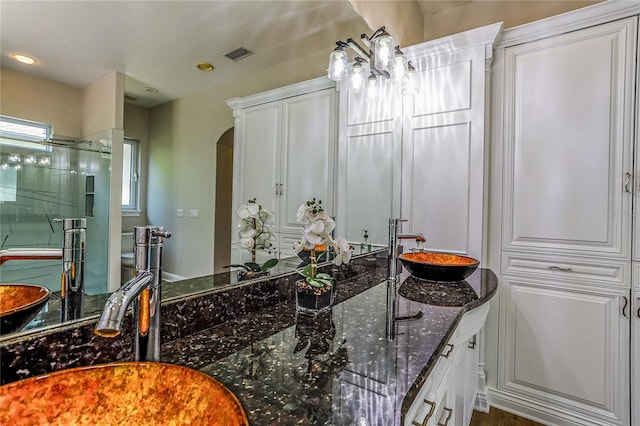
(557, 268)
(627, 183)
(624, 308)
(638, 313)
(446, 352)
(429, 414)
(472, 342)
(449, 414)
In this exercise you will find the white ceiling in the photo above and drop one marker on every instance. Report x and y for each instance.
(158, 43)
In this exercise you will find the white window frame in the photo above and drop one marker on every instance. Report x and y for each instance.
(133, 178)
(25, 140)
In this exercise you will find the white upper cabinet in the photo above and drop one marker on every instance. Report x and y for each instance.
(568, 142)
(258, 153)
(444, 132)
(284, 151)
(308, 149)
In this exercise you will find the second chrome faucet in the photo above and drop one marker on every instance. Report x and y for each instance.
(143, 292)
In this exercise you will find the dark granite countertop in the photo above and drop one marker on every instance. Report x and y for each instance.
(339, 367)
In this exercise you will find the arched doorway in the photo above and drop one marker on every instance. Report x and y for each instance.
(224, 181)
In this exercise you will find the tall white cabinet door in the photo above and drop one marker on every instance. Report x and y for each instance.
(307, 159)
(568, 142)
(567, 345)
(257, 156)
(369, 147)
(443, 155)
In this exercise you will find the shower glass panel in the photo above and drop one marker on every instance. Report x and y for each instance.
(39, 184)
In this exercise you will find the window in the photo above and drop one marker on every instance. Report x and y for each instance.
(24, 134)
(130, 184)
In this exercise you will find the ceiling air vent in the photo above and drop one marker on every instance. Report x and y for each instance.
(239, 53)
(129, 98)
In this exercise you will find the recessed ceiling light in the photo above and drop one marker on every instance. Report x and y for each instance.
(151, 89)
(204, 66)
(24, 59)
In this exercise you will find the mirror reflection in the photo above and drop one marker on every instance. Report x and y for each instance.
(161, 160)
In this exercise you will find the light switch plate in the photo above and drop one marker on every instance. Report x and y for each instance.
(180, 213)
(193, 213)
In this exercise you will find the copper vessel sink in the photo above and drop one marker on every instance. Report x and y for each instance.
(434, 266)
(129, 393)
(19, 304)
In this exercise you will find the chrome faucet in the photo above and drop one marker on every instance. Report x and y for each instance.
(395, 250)
(143, 291)
(72, 255)
(73, 268)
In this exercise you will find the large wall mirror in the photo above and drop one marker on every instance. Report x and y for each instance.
(76, 178)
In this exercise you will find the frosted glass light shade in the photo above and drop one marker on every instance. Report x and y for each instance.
(372, 92)
(357, 78)
(338, 65)
(383, 52)
(410, 83)
(399, 70)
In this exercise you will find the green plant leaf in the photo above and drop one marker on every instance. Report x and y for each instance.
(269, 264)
(253, 266)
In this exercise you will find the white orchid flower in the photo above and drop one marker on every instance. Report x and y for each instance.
(303, 211)
(243, 212)
(247, 232)
(343, 251)
(247, 242)
(253, 209)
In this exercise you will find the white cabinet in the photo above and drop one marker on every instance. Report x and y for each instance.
(421, 157)
(566, 344)
(284, 151)
(448, 395)
(635, 360)
(568, 135)
(565, 101)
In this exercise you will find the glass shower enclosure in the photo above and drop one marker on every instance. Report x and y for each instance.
(41, 182)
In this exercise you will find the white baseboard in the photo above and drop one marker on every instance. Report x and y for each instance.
(538, 412)
(169, 277)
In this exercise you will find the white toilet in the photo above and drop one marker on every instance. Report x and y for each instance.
(127, 267)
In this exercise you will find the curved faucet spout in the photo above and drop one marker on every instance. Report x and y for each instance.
(110, 322)
(30, 254)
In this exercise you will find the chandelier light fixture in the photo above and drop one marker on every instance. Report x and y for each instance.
(380, 60)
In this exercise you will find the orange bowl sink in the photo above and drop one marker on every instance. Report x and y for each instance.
(434, 266)
(19, 304)
(133, 393)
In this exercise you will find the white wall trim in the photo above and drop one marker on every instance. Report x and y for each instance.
(541, 413)
(280, 93)
(569, 21)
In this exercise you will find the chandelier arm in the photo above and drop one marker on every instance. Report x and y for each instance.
(358, 49)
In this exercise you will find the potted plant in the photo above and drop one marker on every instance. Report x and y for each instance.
(315, 292)
(256, 232)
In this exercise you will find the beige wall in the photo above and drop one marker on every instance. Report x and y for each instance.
(136, 126)
(32, 98)
(484, 12)
(103, 102)
(182, 160)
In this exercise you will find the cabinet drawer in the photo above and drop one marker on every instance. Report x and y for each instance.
(591, 271)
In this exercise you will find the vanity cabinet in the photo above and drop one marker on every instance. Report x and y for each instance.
(564, 92)
(284, 149)
(448, 395)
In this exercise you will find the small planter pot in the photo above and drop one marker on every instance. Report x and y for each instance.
(312, 300)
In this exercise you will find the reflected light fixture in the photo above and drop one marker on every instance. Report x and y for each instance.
(380, 58)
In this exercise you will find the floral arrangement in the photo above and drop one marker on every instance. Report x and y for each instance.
(256, 227)
(256, 230)
(317, 231)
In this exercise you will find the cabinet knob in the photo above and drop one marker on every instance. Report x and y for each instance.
(472, 342)
(627, 183)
